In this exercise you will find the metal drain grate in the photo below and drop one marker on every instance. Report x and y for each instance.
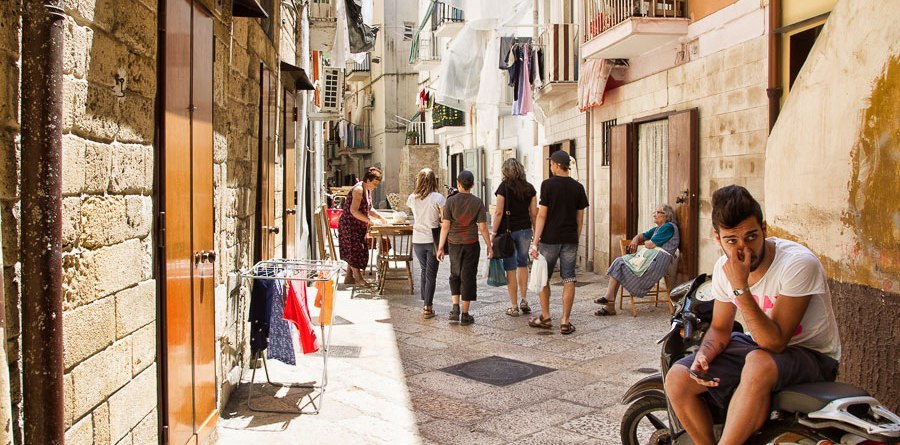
(497, 371)
(339, 351)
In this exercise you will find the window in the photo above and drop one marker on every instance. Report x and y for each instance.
(407, 31)
(800, 46)
(606, 128)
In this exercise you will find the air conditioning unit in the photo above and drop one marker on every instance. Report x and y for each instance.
(332, 90)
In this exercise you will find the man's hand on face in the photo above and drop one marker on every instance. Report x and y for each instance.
(737, 267)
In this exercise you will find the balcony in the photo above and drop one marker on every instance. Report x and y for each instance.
(357, 72)
(427, 56)
(560, 43)
(446, 20)
(416, 134)
(322, 24)
(623, 29)
(446, 120)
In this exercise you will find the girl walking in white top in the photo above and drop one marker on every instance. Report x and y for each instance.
(426, 204)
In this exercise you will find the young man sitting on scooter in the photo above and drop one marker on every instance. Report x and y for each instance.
(780, 289)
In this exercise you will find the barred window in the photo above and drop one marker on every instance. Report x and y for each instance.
(607, 133)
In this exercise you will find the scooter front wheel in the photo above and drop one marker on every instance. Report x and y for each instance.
(646, 421)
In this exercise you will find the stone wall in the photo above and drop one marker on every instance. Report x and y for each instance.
(729, 90)
(414, 158)
(108, 157)
(832, 183)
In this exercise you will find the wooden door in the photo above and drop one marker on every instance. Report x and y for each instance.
(266, 171)
(684, 187)
(188, 355)
(622, 190)
(290, 186)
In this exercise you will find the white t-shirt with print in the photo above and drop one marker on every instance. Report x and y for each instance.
(795, 272)
(427, 214)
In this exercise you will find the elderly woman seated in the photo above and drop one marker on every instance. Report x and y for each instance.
(650, 254)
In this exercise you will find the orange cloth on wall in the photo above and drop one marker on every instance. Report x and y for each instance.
(325, 301)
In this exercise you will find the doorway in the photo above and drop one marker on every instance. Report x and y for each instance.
(187, 304)
(656, 162)
(289, 219)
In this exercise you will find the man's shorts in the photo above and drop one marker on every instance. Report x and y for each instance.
(795, 365)
(566, 254)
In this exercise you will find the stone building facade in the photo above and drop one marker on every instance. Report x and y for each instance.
(112, 154)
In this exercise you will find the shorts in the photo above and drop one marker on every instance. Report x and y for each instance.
(566, 254)
(521, 241)
(795, 365)
(464, 270)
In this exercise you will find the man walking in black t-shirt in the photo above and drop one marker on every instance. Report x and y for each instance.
(463, 218)
(556, 233)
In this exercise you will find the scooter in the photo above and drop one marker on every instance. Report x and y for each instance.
(809, 414)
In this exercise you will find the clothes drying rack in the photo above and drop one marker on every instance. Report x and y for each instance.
(307, 271)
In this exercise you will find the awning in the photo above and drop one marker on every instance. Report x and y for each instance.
(248, 8)
(298, 76)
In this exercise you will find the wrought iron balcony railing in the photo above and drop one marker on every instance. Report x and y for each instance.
(601, 15)
(443, 13)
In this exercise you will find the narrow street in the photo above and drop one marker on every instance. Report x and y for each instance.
(388, 381)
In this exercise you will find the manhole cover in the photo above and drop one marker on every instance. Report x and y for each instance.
(337, 320)
(497, 371)
(344, 351)
(645, 370)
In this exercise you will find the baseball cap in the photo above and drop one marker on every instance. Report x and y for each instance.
(560, 157)
(466, 179)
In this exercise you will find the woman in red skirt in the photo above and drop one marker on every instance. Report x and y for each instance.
(354, 224)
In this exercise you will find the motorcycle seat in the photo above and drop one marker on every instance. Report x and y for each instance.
(808, 397)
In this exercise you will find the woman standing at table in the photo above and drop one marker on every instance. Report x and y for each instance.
(354, 224)
(426, 204)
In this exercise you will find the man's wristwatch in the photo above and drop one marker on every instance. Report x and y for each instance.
(739, 292)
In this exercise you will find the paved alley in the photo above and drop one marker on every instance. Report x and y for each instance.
(386, 383)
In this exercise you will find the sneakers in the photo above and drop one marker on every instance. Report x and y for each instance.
(466, 319)
(454, 313)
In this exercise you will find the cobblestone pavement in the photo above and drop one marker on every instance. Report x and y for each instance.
(386, 383)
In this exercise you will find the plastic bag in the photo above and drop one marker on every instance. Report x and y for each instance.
(496, 274)
(538, 278)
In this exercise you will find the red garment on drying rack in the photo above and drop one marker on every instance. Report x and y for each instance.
(296, 310)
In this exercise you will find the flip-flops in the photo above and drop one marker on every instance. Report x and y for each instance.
(603, 311)
(601, 300)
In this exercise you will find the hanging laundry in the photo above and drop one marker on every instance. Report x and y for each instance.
(296, 310)
(325, 301)
(537, 69)
(281, 343)
(261, 295)
(526, 101)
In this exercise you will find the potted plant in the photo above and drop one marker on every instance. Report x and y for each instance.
(412, 137)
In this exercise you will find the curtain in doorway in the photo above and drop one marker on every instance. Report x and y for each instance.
(653, 169)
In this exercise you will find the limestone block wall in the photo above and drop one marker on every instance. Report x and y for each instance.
(728, 88)
(413, 159)
(832, 183)
(241, 46)
(108, 157)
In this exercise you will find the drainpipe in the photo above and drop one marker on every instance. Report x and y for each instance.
(774, 89)
(42, 321)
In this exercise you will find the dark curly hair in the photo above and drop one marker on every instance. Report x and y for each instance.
(731, 205)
